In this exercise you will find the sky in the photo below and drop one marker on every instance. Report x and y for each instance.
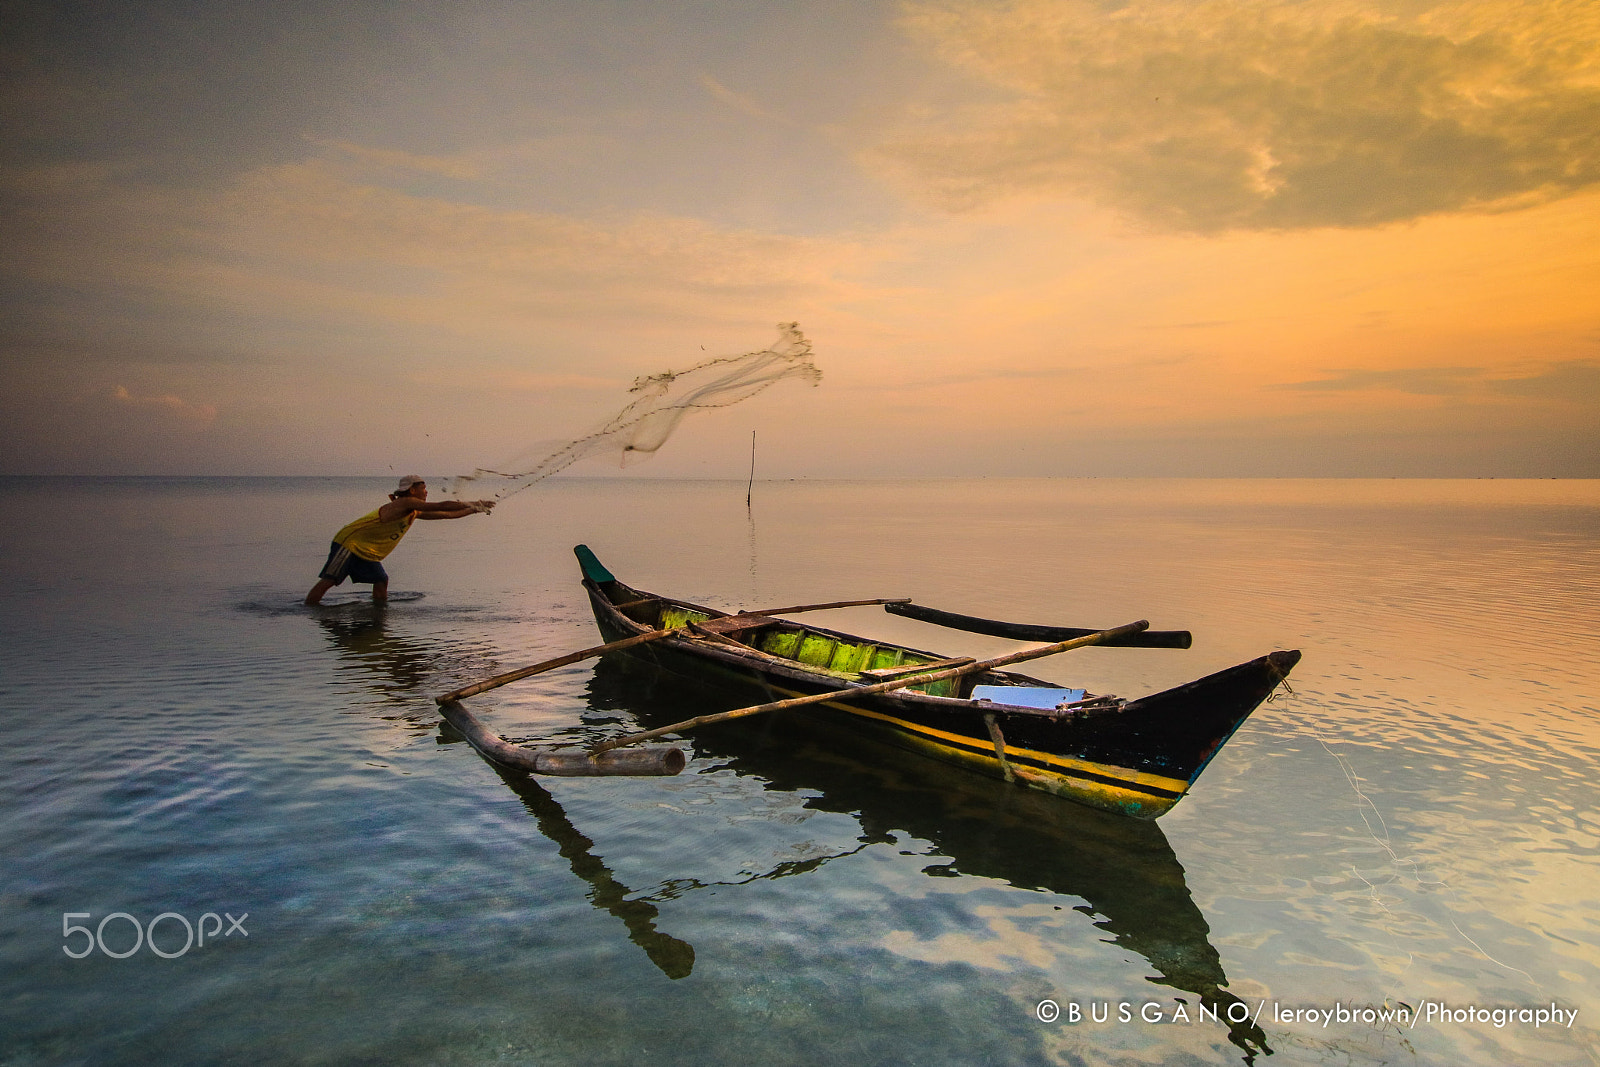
(1025, 238)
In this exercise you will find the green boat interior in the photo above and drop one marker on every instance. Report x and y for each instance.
(818, 650)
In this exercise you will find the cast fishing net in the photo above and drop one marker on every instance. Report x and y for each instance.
(661, 401)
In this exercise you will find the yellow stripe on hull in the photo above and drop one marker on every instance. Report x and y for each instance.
(1109, 796)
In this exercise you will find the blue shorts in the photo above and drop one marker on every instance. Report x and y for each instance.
(343, 563)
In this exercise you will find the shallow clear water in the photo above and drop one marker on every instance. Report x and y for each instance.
(1415, 823)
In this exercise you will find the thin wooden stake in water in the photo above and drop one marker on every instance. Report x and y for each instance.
(880, 687)
(751, 487)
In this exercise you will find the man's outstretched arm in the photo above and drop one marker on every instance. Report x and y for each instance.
(454, 509)
(442, 509)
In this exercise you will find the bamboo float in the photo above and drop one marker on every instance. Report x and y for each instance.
(660, 760)
(1096, 638)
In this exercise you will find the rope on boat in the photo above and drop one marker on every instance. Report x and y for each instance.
(999, 740)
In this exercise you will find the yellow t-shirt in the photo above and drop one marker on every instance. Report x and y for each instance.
(370, 539)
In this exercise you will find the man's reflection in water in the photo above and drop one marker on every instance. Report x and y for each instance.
(395, 667)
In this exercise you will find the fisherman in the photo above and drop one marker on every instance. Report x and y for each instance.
(358, 549)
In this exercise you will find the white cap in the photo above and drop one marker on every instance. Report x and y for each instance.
(409, 480)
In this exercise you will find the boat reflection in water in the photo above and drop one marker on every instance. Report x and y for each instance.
(1122, 868)
(675, 958)
(396, 669)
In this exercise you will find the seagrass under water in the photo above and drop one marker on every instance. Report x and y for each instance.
(1414, 825)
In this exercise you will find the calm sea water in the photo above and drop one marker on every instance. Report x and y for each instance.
(1414, 825)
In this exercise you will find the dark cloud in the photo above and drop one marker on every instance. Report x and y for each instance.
(187, 91)
(1418, 381)
(1230, 115)
(575, 108)
(1577, 381)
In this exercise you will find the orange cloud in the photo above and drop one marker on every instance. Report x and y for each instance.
(457, 167)
(1242, 114)
(739, 101)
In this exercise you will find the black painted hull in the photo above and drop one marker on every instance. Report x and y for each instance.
(1138, 759)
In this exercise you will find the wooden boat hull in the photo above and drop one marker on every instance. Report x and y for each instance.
(1138, 757)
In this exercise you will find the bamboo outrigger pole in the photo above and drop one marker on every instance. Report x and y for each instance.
(575, 763)
(879, 687)
(638, 639)
(548, 665)
(798, 608)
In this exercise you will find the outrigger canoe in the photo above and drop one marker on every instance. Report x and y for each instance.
(1137, 757)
